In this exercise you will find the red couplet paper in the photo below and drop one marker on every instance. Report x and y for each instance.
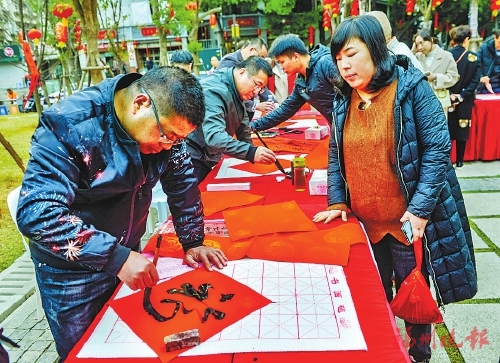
(214, 202)
(130, 309)
(171, 247)
(272, 218)
(318, 159)
(261, 168)
(329, 246)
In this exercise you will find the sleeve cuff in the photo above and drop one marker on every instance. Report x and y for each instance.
(338, 206)
(187, 246)
(117, 259)
(251, 154)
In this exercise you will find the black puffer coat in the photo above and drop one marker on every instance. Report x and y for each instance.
(427, 179)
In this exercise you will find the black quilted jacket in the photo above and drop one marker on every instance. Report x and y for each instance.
(427, 179)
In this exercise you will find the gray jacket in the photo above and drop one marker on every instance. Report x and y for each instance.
(225, 117)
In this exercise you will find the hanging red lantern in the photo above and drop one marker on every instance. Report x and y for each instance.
(327, 21)
(178, 39)
(335, 8)
(63, 12)
(35, 35)
(436, 3)
(410, 7)
(61, 32)
(355, 8)
(436, 20)
(226, 35)
(311, 36)
(259, 32)
(213, 21)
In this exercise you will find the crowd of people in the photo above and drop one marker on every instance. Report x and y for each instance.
(96, 157)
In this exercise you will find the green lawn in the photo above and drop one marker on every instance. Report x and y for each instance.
(17, 129)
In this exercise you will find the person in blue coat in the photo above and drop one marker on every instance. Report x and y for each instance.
(389, 163)
(314, 83)
(489, 59)
(94, 160)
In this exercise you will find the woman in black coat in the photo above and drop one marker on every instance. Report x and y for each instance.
(462, 93)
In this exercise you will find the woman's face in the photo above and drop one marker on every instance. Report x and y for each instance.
(424, 46)
(355, 64)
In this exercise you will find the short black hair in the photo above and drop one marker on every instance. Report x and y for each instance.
(175, 92)
(254, 65)
(368, 30)
(459, 33)
(181, 57)
(258, 43)
(287, 44)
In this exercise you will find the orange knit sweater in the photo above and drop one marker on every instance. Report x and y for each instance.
(369, 158)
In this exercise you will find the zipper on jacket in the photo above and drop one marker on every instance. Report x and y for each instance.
(334, 125)
(427, 250)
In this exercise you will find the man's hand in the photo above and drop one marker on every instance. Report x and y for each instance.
(265, 106)
(138, 272)
(206, 255)
(263, 155)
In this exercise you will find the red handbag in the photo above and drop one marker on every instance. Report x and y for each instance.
(414, 302)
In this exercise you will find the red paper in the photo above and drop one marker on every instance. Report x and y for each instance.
(214, 202)
(171, 247)
(259, 220)
(329, 246)
(130, 309)
(261, 168)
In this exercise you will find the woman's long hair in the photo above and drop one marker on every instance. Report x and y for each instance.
(369, 31)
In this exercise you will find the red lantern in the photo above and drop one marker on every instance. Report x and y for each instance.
(213, 20)
(327, 22)
(226, 35)
(355, 8)
(311, 35)
(35, 35)
(436, 20)
(335, 8)
(410, 7)
(63, 11)
(61, 32)
(436, 3)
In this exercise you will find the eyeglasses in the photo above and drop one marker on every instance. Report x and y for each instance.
(163, 138)
(259, 89)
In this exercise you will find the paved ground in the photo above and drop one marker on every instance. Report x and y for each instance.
(475, 325)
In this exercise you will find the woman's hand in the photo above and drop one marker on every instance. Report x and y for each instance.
(329, 215)
(417, 224)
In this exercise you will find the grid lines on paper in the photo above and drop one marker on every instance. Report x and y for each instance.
(302, 306)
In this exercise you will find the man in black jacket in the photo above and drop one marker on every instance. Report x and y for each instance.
(489, 58)
(225, 117)
(314, 83)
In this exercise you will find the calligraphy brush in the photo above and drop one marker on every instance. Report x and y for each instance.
(146, 301)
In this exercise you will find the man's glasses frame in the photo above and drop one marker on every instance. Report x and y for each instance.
(257, 88)
(163, 138)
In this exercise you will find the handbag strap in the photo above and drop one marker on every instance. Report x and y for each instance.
(459, 58)
(418, 249)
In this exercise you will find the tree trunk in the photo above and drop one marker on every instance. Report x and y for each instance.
(87, 11)
(162, 37)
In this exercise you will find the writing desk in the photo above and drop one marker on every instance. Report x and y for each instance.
(484, 134)
(381, 335)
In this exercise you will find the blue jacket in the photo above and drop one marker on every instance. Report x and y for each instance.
(427, 179)
(317, 89)
(86, 193)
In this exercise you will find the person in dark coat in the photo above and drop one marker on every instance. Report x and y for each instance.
(389, 163)
(315, 81)
(94, 160)
(225, 127)
(489, 58)
(462, 93)
(254, 47)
